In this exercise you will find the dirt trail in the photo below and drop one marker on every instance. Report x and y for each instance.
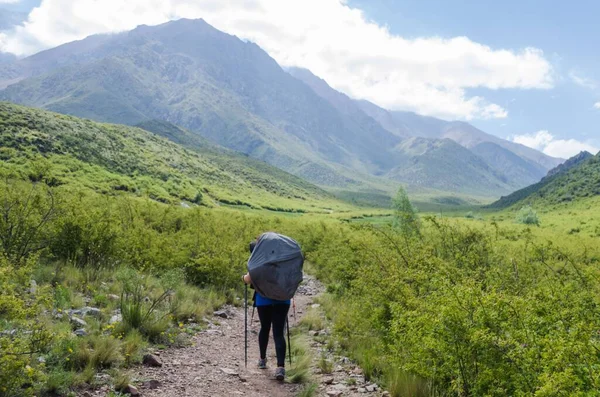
(214, 365)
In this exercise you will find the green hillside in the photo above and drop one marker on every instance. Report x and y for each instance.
(110, 158)
(577, 178)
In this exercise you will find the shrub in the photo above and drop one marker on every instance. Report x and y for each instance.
(309, 390)
(527, 216)
(59, 382)
(143, 308)
(325, 365)
(312, 320)
(132, 346)
(106, 352)
(302, 359)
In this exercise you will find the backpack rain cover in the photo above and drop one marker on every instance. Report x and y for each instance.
(275, 266)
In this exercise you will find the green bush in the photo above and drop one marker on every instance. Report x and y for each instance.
(144, 306)
(528, 216)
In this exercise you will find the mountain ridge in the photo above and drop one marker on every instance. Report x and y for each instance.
(233, 93)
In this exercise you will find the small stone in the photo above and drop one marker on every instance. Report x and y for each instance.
(313, 333)
(357, 371)
(92, 311)
(229, 371)
(151, 384)
(328, 380)
(33, 287)
(385, 394)
(222, 314)
(113, 297)
(80, 332)
(362, 390)
(152, 361)
(339, 386)
(243, 379)
(333, 393)
(41, 360)
(117, 318)
(78, 322)
(315, 306)
(371, 388)
(131, 390)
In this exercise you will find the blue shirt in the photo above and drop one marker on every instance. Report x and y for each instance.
(262, 301)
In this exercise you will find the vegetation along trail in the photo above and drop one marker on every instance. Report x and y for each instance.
(214, 364)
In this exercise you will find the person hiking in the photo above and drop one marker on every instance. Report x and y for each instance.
(272, 313)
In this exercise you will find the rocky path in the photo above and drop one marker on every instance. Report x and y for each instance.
(214, 364)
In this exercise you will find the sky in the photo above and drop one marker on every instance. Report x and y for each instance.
(527, 71)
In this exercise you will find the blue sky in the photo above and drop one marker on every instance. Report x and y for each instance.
(567, 32)
(387, 53)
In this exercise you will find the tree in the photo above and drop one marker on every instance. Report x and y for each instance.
(406, 219)
(25, 212)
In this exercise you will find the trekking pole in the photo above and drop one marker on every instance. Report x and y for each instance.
(246, 325)
(289, 340)
(294, 306)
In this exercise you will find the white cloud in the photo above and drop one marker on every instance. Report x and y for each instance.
(582, 80)
(597, 105)
(550, 145)
(429, 75)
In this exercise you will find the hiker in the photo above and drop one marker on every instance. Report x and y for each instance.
(272, 313)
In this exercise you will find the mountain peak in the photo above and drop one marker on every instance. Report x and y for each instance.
(570, 163)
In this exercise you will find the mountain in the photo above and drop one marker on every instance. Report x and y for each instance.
(232, 93)
(518, 170)
(114, 158)
(424, 159)
(412, 124)
(445, 165)
(6, 58)
(578, 177)
(570, 163)
(190, 74)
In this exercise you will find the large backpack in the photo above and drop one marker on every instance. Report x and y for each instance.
(275, 266)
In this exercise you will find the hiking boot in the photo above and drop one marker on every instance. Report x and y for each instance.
(262, 363)
(280, 373)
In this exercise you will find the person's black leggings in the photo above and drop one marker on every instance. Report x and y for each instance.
(276, 315)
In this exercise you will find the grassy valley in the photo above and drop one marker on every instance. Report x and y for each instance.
(450, 304)
(120, 240)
